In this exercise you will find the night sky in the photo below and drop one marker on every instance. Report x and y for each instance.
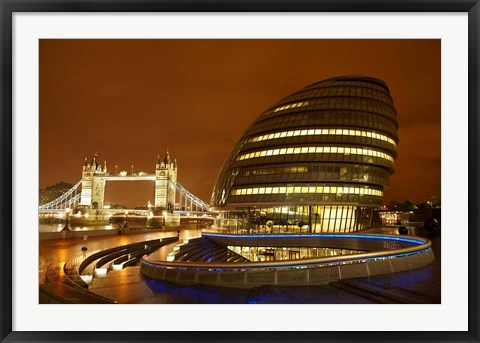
(131, 100)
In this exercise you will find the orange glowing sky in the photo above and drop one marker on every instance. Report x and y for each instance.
(130, 100)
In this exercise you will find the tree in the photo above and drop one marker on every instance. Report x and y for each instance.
(408, 206)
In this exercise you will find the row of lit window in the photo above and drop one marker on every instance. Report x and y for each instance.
(307, 190)
(342, 103)
(281, 170)
(312, 132)
(342, 91)
(333, 118)
(286, 107)
(316, 168)
(316, 150)
(349, 85)
(338, 98)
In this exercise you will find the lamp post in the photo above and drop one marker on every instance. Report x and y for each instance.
(126, 219)
(67, 219)
(66, 228)
(149, 215)
(164, 218)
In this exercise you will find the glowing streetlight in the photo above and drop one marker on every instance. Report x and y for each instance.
(67, 219)
(164, 217)
(126, 219)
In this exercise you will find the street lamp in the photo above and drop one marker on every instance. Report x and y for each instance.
(149, 206)
(126, 219)
(149, 215)
(67, 217)
(164, 218)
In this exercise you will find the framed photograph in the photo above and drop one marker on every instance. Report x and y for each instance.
(280, 171)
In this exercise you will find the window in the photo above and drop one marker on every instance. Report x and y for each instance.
(298, 104)
(316, 132)
(305, 150)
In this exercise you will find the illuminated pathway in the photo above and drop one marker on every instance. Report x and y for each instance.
(60, 251)
(53, 254)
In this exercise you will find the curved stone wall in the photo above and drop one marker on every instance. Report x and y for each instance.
(404, 254)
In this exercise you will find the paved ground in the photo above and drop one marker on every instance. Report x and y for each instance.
(130, 286)
(54, 252)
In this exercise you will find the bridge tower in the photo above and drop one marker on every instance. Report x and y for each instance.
(93, 189)
(165, 179)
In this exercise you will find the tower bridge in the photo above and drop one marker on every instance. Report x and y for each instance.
(89, 192)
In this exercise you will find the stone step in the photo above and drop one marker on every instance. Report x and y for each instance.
(364, 293)
(397, 293)
(65, 294)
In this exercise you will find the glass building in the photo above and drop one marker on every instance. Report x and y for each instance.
(317, 161)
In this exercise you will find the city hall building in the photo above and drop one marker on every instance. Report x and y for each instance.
(317, 161)
(308, 169)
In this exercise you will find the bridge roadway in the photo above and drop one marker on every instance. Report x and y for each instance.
(128, 177)
(129, 286)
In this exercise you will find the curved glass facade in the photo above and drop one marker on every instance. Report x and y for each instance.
(316, 161)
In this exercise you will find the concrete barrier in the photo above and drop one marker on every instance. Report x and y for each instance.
(315, 275)
(393, 254)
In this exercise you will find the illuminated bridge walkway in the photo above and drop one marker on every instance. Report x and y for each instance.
(186, 201)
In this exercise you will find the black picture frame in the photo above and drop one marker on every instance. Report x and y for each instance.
(8, 7)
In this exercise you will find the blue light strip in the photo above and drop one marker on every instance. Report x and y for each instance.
(323, 235)
(313, 264)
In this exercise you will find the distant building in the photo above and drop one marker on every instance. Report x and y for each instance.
(318, 159)
(412, 218)
(52, 192)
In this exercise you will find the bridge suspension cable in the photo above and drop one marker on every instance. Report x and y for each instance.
(189, 197)
(72, 197)
(66, 200)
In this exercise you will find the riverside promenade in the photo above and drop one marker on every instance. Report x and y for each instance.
(128, 285)
(54, 254)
